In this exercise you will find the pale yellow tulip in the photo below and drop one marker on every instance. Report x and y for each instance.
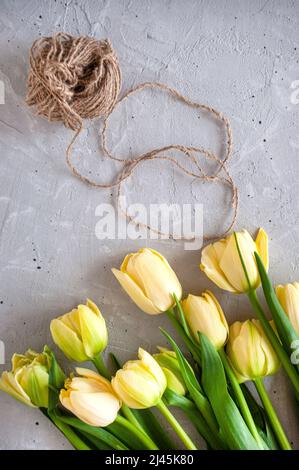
(221, 261)
(28, 380)
(81, 334)
(91, 398)
(168, 362)
(140, 383)
(149, 280)
(288, 296)
(250, 351)
(204, 314)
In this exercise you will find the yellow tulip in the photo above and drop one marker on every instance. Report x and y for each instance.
(80, 334)
(204, 314)
(288, 296)
(91, 398)
(149, 280)
(250, 351)
(28, 380)
(169, 364)
(221, 262)
(140, 383)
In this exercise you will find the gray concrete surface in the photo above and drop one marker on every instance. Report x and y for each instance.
(239, 56)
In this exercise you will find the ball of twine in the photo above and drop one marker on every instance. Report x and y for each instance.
(72, 78)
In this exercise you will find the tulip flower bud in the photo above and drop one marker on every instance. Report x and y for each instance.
(204, 314)
(222, 264)
(28, 379)
(141, 383)
(91, 398)
(80, 334)
(168, 362)
(250, 351)
(288, 297)
(149, 280)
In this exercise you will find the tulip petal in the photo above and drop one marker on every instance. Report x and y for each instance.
(156, 279)
(93, 307)
(152, 367)
(210, 297)
(93, 331)
(178, 288)
(64, 397)
(134, 291)
(71, 320)
(80, 384)
(90, 374)
(34, 380)
(96, 409)
(8, 384)
(231, 264)
(19, 360)
(173, 383)
(122, 393)
(210, 258)
(141, 390)
(250, 352)
(261, 242)
(67, 340)
(288, 297)
(203, 315)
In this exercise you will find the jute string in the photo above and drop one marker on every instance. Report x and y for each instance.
(74, 78)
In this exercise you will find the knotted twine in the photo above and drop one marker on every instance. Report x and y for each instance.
(74, 78)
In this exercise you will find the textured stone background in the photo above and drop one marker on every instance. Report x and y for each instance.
(239, 56)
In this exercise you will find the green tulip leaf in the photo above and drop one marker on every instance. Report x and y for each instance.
(182, 317)
(193, 385)
(284, 327)
(100, 433)
(93, 441)
(188, 407)
(232, 426)
(129, 439)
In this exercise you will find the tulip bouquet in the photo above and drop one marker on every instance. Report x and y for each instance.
(120, 409)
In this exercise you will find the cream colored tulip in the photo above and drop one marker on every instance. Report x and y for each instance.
(250, 351)
(91, 398)
(28, 380)
(204, 314)
(168, 362)
(221, 261)
(140, 383)
(149, 280)
(288, 296)
(82, 333)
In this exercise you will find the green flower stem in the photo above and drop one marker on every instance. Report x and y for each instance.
(139, 433)
(240, 398)
(283, 356)
(69, 433)
(102, 369)
(100, 366)
(273, 418)
(131, 417)
(175, 425)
